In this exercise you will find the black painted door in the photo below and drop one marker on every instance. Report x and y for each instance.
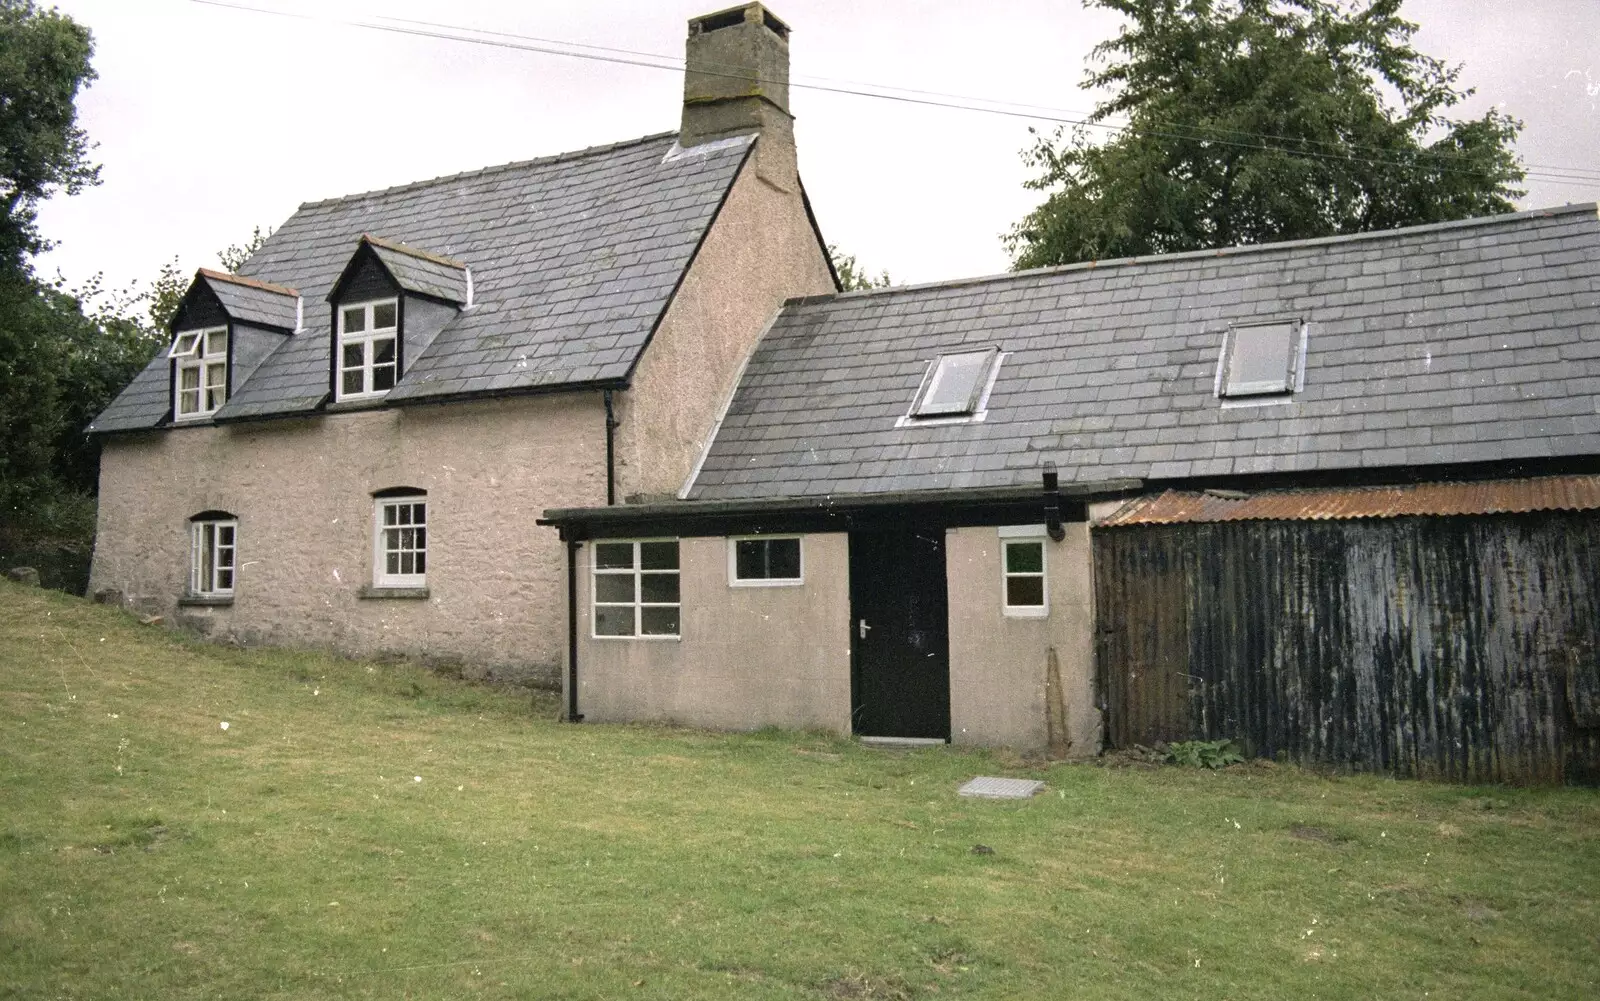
(900, 640)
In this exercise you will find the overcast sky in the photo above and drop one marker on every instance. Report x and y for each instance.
(210, 121)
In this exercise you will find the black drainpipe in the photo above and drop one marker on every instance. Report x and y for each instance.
(573, 716)
(611, 453)
(1052, 504)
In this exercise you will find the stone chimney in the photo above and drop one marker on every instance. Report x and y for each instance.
(736, 81)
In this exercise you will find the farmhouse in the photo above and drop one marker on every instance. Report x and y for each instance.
(1334, 498)
(348, 442)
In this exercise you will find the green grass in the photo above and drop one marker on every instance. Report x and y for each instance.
(145, 852)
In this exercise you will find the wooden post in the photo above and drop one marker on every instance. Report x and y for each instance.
(1055, 708)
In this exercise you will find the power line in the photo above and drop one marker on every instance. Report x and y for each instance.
(1079, 117)
(527, 43)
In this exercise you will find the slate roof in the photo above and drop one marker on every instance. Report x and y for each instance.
(253, 301)
(1460, 342)
(573, 257)
(421, 272)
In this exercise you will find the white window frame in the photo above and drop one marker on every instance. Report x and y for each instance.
(197, 351)
(366, 338)
(638, 604)
(380, 541)
(734, 580)
(206, 563)
(1011, 535)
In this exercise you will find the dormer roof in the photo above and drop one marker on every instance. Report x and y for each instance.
(574, 260)
(249, 300)
(410, 268)
(421, 272)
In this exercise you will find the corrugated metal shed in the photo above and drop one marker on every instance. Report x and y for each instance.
(1548, 493)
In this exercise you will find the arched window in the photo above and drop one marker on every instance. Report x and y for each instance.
(400, 538)
(213, 554)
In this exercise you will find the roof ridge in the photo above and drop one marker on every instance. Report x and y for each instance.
(1592, 208)
(493, 168)
(224, 276)
(410, 251)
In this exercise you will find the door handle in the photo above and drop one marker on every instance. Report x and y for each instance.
(862, 628)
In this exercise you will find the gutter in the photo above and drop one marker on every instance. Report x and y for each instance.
(568, 518)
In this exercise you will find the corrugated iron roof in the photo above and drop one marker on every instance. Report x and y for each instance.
(1548, 493)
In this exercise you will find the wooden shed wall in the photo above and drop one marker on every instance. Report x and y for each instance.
(1465, 648)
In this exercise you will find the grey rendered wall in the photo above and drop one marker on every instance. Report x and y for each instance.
(302, 492)
(749, 656)
(998, 663)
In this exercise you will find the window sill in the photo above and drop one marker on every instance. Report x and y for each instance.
(1025, 613)
(204, 600)
(648, 637)
(356, 403)
(404, 593)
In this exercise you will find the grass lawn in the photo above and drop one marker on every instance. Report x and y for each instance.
(367, 830)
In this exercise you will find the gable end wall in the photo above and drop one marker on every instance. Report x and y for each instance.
(760, 250)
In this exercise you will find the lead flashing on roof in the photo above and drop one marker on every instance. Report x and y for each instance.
(676, 153)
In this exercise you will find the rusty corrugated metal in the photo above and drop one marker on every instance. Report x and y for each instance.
(1457, 648)
(1547, 493)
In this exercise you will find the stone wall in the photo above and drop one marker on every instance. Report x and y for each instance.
(302, 491)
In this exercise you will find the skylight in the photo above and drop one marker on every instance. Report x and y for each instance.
(1260, 359)
(955, 385)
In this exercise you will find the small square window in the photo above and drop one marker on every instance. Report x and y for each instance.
(1024, 577)
(954, 384)
(1260, 359)
(635, 589)
(764, 561)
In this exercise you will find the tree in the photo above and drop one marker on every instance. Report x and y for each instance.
(1257, 120)
(235, 254)
(852, 276)
(44, 60)
(165, 295)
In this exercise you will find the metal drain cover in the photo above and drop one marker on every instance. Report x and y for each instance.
(989, 787)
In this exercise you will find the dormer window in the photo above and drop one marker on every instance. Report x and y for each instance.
(199, 372)
(1261, 359)
(368, 342)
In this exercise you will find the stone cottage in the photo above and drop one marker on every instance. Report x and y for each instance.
(348, 441)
